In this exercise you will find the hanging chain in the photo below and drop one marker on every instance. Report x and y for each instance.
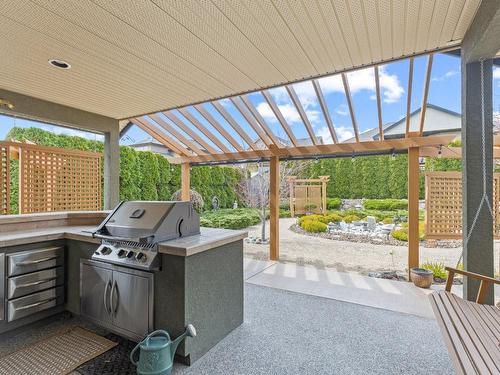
(484, 198)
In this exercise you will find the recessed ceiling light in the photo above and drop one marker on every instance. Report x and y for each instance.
(61, 64)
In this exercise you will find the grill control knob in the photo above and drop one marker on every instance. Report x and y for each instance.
(130, 254)
(141, 257)
(105, 251)
(121, 253)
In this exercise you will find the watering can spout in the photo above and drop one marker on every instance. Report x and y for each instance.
(189, 332)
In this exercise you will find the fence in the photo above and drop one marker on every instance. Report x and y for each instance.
(307, 195)
(443, 205)
(52, 179)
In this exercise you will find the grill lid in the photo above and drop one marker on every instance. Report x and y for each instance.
(149, 221)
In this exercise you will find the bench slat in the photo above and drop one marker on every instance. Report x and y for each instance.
(478, 332)
(481, 361)
(458, 354)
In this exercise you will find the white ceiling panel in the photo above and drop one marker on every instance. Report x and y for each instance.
(131, 57)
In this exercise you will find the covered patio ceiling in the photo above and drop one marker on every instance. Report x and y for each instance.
(129, 58)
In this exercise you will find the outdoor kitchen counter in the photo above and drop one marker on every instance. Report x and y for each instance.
(184, 246)
(209, 238)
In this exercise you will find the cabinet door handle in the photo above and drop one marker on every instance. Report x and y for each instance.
(114, 306)
(108, 310)
(35, 304)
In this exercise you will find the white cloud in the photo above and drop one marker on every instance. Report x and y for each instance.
(364, 79)
(343, 133)
(342, 110)
(289, 113)
(496, 73)
(445, 76)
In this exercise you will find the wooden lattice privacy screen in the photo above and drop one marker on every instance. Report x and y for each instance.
(443, 205)
(305, 192)
(54, 179)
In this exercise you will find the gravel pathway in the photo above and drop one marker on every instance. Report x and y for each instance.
(346, 256)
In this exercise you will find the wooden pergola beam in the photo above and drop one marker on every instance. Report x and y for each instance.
(177, 121)
(153, 132)
(324, 109)
(251, 121)
(281, 119)
(274, 203)
(212, 121)
(260, 120)
(347, 91)
(408, 98)
(379, 103)
(425, 95)
(298, 106)
(193, 120)
(341, 149)
(157, 119)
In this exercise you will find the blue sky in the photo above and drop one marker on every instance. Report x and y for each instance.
(444, 91)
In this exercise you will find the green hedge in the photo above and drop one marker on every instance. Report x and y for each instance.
(230, 218)
(143, 175)
(333, 203)
(385, 204)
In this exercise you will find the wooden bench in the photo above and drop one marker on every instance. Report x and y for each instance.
(471, 330)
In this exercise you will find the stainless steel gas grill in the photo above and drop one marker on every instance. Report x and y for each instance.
(130, 234)
(117, 284)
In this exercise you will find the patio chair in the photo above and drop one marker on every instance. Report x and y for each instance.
(470, 330)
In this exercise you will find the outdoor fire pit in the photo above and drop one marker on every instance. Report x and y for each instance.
(421, 277)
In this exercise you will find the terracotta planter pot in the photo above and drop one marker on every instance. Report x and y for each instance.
(421, 277)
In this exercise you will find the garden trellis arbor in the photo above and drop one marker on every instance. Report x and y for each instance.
(307, 191)
(183, 131)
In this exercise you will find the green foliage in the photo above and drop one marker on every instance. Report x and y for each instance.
(437, 269)
(332, 218)
(310, 206)
(350, 218)
(314, 226)
(230, 218)
(285, 213)
(143, 175)
(14, 186)
(402, 233)
(388, 220)
(385, 204)
(195, 198)
(333, 203)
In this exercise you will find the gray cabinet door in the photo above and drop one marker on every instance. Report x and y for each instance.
(130, 302)
(95, 290)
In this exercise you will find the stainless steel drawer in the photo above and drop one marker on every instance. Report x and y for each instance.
(19, 286)
(28, 305)
(34, 260)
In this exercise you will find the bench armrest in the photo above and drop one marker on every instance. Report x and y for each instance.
(485, 281)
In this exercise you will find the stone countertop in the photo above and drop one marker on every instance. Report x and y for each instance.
(185, 246)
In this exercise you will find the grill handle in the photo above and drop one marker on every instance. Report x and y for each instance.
(142, 240)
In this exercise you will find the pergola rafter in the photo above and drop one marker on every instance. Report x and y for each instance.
(245, 119)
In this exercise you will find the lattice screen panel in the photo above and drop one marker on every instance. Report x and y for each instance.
(53, 179)
(4, 179)
(443, 205)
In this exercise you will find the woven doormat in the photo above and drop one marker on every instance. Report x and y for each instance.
(58, 355)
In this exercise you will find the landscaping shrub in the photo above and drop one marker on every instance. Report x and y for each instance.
(309, 207)
(437, 269)
(361, 214)
(402, 233)
(333, 218)
(333, 203)
(285, 213)
(285, 205)
(230, 218)
(309, 218)
(385, 204)
(314, 226)
(350, 218)
(195, 198)
(388, 220)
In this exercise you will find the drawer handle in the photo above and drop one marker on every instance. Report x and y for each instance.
(35, 304)
(30, 262)
(36, 282)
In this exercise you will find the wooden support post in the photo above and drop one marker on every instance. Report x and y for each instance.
(413, 193)
(274, 202)
(185, 181)
(323, 197)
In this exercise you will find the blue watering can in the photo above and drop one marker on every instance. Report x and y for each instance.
(157, 352)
